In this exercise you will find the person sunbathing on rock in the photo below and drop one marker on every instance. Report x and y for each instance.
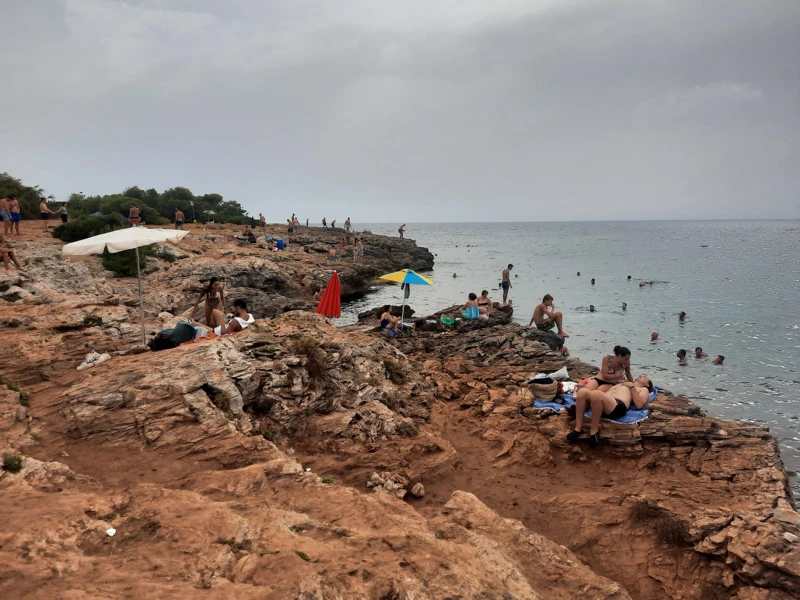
(612, 404)
(545, 318)
(241, 320)
(613, 370)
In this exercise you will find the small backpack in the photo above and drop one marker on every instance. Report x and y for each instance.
(172, 338)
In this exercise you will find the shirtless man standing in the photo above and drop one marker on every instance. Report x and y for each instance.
(179, 218)
(5, 212)
(133, 215)
(545, 318)
(612, 404)
(15, 214)
(506, 283)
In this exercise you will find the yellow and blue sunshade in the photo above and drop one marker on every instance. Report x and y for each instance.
(407, 276)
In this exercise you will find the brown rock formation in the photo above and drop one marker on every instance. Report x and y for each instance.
(239, 466)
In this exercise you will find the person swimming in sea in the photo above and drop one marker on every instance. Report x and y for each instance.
(681, 354)
(591, 308)
(592, 280)
(718, 360)
(654, 336)
(682, 317)
(624, 306)
(698, 353)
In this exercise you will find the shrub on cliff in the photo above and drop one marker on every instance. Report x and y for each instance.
(124, 263)
(86, 227)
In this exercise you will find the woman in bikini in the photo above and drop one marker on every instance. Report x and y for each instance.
(613, 370)
(214, 299)
(484, 303)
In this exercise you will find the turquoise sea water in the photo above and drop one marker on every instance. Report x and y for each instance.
(738, 282)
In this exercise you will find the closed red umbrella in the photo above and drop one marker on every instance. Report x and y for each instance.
(330, 304)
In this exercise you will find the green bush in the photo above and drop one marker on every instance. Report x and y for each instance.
(124, 263)
(86, 227)
(12, 463)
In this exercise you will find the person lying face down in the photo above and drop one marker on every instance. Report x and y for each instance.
(611, 404)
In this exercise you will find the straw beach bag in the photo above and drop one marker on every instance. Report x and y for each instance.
(544, 389)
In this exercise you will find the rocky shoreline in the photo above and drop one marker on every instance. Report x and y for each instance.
(240, 466)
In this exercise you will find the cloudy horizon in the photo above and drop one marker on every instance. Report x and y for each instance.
(422, 111)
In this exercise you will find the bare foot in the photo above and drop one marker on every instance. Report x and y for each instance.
(20, 268)
(563, 334)
(8, 272)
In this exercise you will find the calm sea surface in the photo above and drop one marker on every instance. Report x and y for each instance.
(738, 281)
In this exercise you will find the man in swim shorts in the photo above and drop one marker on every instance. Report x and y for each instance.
(506, 282)
(16, 217)
(5, 212)
(545, 318)
(612, 404)
(179, 218)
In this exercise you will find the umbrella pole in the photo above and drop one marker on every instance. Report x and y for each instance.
(403, 310)
(141, 301)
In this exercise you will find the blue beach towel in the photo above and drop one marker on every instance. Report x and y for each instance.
(554, 406)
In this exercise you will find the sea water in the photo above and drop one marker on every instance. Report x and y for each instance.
(737, 281)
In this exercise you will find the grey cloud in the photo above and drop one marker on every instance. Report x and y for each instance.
(458, 111)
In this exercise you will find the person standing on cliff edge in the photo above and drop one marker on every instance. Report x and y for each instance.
(324, 223)
(401, 230)
(506, 282)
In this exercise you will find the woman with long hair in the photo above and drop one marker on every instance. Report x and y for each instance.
(214, 298)
(613, 370)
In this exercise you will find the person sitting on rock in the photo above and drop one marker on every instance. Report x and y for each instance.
(7, 253)
(612, 404)
(613, 370)
(214, 296)
(545, 318)
(470, 310)
(485, 303)
(389, 323)
(241, 320)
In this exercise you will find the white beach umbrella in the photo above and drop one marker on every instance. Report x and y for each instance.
(124, 239)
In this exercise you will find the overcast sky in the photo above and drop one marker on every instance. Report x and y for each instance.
(412, 110)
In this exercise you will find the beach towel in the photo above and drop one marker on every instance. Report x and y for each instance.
(555, 406)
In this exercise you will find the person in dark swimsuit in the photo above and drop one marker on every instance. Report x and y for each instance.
(388, 322)
(612, 404)
(485, 303)
(214, 297)
(613, 370)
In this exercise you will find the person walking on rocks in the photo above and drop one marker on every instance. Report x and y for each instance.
(45, 212)
(401, 230)
(262, 222)
(324, 223)
(359, 251)
(347, 224)
(179, 218)
(333, 224)
(506, 282)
